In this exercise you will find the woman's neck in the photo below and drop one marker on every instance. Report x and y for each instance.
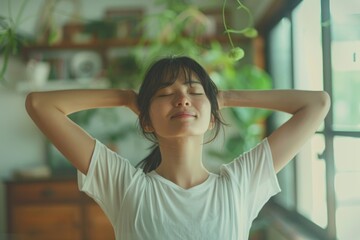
(181, 161)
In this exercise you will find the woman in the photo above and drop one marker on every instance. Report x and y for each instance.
(174, 196)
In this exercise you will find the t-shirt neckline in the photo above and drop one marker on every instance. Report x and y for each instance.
(174, 185)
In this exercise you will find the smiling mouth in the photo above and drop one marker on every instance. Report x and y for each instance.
(183, 115)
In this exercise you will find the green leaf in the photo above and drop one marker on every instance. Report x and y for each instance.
(236, 53)
(3, 23)
(250, 33)
(53, 36)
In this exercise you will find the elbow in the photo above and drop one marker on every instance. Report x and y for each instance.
(320, 103)
(32, 102)
(324, 101)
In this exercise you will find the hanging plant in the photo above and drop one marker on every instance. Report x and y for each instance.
(236, 53)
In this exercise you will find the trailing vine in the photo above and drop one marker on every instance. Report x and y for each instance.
(237, 53)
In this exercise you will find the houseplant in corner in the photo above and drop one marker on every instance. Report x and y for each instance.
(10, 40)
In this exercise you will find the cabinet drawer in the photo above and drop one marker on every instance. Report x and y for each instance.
(61, 221)
(43, 192)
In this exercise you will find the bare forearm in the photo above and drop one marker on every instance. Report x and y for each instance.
(48, 110)
(69, 101)
(308, 109)
(290, 101)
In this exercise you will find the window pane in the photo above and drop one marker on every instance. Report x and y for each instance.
(347, 222)
(347, 182)
(345, 58)
(344, 193)
(311, 181)
(280, 63)
(346, 153)
(307, 42)
(308, 75)
(280, 54)
(280, 70)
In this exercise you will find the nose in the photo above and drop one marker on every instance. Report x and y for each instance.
(182, 100)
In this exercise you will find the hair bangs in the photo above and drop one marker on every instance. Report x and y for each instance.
(172, 71)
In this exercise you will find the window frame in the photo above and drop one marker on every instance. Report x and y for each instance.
(330, 232)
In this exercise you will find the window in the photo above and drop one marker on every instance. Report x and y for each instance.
(280, 65)
(306, 50)
(345, 69)
(308, 75)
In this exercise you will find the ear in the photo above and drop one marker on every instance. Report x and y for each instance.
(148, 128)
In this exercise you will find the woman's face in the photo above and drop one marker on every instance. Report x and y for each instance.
(180, 110)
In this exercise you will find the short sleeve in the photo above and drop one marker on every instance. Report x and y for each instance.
(255, 176)
(107, 179)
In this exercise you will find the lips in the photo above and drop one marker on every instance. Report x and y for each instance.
(183, 115)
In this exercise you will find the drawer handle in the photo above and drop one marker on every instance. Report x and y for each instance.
(48, 192)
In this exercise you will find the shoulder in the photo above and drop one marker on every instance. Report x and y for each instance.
(106, 163)
(257, 154)
(105, 154)
(250, 164)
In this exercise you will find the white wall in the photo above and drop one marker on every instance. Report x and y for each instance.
(21, 144)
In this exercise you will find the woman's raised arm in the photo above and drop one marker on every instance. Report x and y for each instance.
(49, 111)
(308, 108)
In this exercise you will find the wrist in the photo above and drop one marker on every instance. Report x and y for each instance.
(234, 98)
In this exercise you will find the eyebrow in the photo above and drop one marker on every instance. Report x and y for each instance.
(190, 81)
(187, 82)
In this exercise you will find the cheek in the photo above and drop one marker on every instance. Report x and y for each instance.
(152, 115)
(155, 115)
(206, 108)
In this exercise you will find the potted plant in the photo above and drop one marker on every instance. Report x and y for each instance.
(10, 40)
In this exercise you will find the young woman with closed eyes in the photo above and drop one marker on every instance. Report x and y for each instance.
(172, 195)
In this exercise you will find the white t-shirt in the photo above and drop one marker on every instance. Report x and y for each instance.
(148, 206)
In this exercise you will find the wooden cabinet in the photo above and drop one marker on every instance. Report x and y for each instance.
(54, 209)
(99, 228)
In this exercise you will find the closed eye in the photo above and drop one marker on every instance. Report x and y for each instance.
(165, 95)
(195, 89)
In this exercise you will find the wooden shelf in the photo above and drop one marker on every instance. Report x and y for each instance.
(26, 86)
(95, 44)
(111, 43)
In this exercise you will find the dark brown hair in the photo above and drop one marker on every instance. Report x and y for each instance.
(164, 72)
